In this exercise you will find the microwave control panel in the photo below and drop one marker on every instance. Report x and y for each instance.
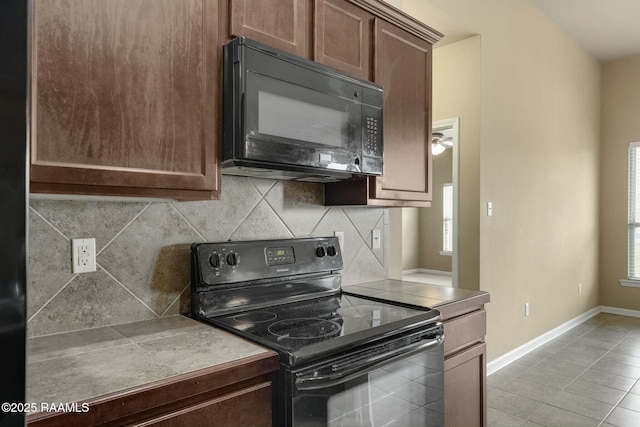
(371, 137)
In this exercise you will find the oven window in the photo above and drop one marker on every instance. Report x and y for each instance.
(290, 118)
(406, 393)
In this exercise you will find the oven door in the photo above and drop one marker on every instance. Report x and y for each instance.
(397, 384)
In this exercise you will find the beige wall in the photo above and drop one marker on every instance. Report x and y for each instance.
(430, 219)
(539, 146)
(619, 127)
(410, 238)
(456, 93)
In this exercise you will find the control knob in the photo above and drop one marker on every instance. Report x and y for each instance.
(320, 252)
(331, 251)
(232, 258)
(214, 260)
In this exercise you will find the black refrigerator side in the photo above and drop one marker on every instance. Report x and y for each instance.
(13, 205)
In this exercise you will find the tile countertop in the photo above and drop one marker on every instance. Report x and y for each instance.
(420, 294)
(80, 365)
(76, 366)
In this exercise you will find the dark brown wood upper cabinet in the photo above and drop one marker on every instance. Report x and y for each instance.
(403, 68)
(342, 37)
(125, 98)
(282, 24)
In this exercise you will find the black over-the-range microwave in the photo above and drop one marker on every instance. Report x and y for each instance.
(286, 117)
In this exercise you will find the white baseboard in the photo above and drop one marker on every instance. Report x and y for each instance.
(620, 311)
(427, 271)
(517, 353)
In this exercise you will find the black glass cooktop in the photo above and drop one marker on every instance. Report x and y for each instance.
(312, 328)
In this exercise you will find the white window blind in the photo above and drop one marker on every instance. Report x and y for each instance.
(634, 211)
(447, 218)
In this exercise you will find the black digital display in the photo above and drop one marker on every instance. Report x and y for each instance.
(279, 256)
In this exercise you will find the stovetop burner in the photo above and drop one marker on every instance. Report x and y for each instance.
(255, 317)
(320, 324)
(304, 329)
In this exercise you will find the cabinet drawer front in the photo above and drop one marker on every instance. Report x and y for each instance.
(250, 407)
(465, 331)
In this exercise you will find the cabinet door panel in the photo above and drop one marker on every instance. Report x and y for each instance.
(403, 68)
(465, 388)
(124, 95)
(342, 37)
(278, 23)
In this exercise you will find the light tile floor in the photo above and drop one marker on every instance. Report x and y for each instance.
(588, 376)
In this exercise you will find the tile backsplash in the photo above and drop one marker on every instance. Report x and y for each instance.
(143, 248)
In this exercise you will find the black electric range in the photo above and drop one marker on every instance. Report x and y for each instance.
(344, 359)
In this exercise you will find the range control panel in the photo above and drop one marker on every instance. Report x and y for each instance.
(279, 256)
(231, 262)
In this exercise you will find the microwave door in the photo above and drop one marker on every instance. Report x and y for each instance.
(289, 123)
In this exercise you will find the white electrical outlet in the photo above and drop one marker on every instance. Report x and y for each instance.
(83, 255)
(526, 308)
(375, 239)
(340, 236)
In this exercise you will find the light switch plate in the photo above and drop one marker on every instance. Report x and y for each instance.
(83, 255)
(489, 208)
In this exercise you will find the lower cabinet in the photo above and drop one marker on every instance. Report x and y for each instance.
(465, 397)
(228, 410)
(231, 394)
(465, 363)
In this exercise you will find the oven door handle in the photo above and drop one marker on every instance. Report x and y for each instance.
(313, 381)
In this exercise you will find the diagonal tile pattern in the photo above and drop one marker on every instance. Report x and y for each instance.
(584, 377)
(337, 220)
(298, 204)
(78, 219)
(216, 220)
(151, 256)
(48, 253)
(143, 248)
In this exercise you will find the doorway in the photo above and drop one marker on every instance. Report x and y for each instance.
(424, 241)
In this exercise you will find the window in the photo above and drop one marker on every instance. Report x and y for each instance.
(447, 218)
(633, 265)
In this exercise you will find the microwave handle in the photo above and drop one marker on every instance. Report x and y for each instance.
(308, 381)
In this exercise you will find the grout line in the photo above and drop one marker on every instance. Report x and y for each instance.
(279, 217)
(273, 184)
(365, 238)
(50, 224)
(204, 239)
(127, 289)
(123, 228)
(593, 328)
(354, 226)
(320, 221)
(52, 298)
(174, 300)
(262, 196)
(82, 353)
